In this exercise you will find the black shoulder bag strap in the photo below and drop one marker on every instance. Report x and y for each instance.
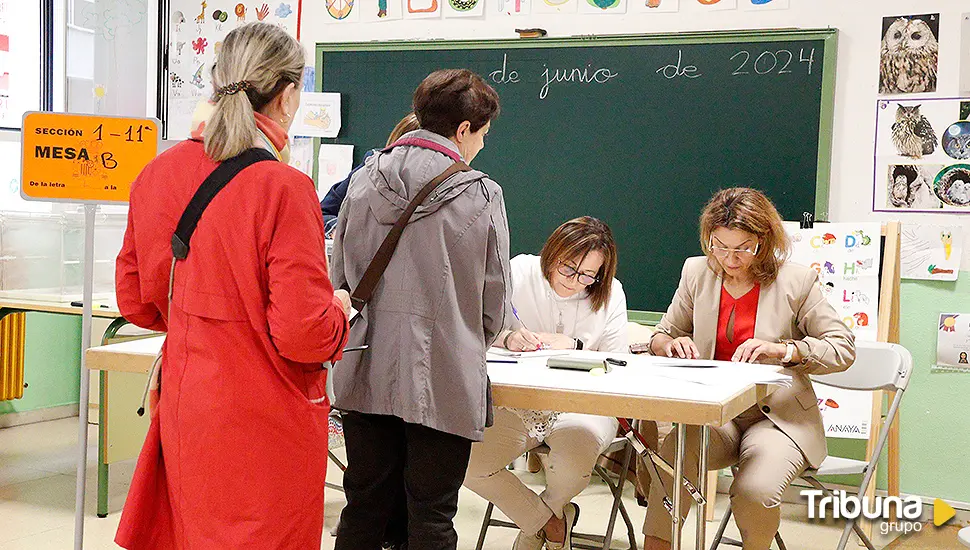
(217, 180)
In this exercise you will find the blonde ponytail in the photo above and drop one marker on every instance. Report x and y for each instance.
(256, 63)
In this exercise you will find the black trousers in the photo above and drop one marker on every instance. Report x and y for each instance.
(384, 454)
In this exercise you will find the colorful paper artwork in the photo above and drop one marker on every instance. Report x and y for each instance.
(464, 8)
(318, 115)
(953, 342)
(930, 252)
(654, 6)
(846, 258)
(763, 5)
(602, 7)
(198, 28)
(422, 9)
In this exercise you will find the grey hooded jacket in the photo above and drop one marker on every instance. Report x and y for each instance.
(442, 300)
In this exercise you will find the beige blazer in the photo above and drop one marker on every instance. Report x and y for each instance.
(791, 308)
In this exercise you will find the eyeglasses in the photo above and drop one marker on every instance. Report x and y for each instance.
(569, 272)
(723, 252)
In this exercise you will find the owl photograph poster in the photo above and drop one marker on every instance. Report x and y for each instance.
(908, 54)
(922, 155)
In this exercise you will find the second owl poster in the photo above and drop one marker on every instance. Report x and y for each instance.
(922, 155)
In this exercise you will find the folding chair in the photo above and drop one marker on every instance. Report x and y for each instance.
(335, 436)
(598, 541)
(878, 366)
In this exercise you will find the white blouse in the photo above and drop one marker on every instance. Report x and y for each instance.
(540, 309)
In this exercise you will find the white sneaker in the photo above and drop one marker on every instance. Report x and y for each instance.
(529, 542)
(570, 514)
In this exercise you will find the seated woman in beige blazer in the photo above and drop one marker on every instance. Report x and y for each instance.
(743, 301)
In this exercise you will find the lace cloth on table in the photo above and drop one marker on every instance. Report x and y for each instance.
(539, 423)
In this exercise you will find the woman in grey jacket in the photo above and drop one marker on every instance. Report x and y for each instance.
(415, 400)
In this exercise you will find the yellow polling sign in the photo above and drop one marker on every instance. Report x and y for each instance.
(84, 158)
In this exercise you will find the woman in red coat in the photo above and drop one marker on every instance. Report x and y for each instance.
(237, 449)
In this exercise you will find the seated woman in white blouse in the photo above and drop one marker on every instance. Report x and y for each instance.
(566, 298)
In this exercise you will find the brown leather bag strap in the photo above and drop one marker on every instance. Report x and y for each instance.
(375, 270)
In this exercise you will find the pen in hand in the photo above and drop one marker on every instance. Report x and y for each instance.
(539, 345)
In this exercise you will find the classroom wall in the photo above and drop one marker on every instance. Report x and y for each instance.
(935, 423)
(52, 343)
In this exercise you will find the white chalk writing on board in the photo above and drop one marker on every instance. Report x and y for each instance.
(563, 76)
(671, 71)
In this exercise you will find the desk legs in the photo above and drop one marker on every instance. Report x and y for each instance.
(700, 537)
(102, 445)
(676, 485)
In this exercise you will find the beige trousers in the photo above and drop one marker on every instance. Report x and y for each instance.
(575, 441)
(767, 460)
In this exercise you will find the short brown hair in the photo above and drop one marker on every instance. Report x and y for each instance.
(448, 97)
(407, 124)
(575, 239)
(748, 210)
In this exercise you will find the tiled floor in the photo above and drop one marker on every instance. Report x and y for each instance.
(37, 487)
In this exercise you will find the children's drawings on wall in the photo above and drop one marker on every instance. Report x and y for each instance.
(422, 9)
(654, 6)
(372, 11)
(343, 11)
(931, 252)
(921, 155)
(301, 155)
(762, 5)
(464, 8)
(953, 342)
(711, 5)
(196, 31)
(110, 18)
(602, 7)
(334, 162)
(516, 7)
(555, 6)
(318, 115)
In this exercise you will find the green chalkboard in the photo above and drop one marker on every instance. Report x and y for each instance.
(636, 130)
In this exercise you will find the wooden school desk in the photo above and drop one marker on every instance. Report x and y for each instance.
(639, 390)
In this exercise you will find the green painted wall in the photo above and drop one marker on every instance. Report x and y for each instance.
(936, 409)
(935, 413)
(52, 363)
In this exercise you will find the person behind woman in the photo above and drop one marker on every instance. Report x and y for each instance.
(236, 453)
(330, 205)
(415, 400)
(743, 301)
(566, 298)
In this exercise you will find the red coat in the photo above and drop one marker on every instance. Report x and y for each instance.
(236, 453)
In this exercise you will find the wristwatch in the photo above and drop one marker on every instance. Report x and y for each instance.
(579, 343)
(789, 352)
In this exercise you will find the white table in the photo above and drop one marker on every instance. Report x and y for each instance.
(643, 389)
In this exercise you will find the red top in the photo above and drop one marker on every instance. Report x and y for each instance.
(745, 311)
